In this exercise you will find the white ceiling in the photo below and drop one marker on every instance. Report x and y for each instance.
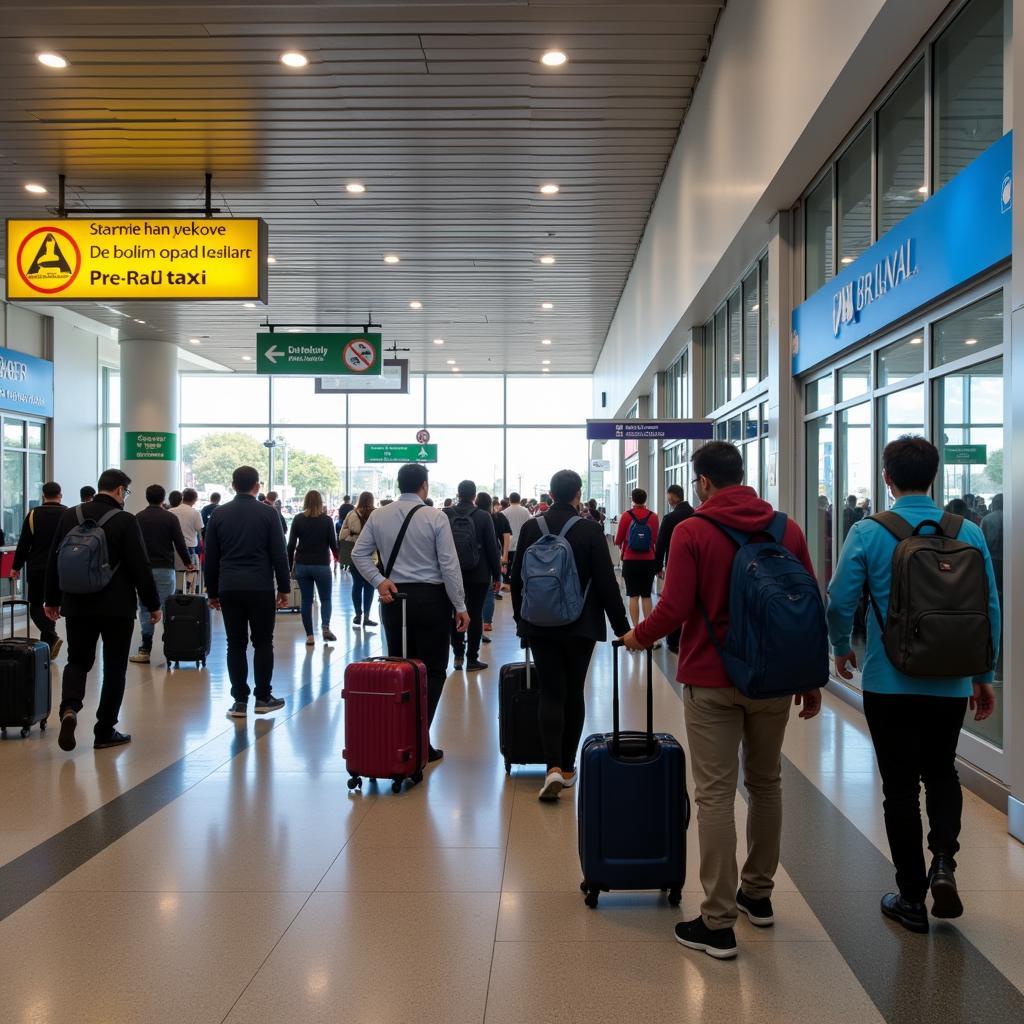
(442, 110)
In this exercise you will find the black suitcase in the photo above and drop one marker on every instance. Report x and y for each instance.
(518, 714)
(633, 807)
(24, 680)
(187, 629)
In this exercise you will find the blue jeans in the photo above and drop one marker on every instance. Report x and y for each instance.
(489, 601)
(308, 577)
(165, 586)
(362, 593)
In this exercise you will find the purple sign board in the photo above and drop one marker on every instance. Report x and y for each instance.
(650, 430)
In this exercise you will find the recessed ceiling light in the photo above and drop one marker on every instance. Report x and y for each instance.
(391, 258)
(547, 260)
(545, 369)
(415, 304)
(271, 259)
(455, 369)
(755, 307)
(554, 58)
(547, 305)
(52, 60)
(451, 362)
(923, 190)
(294, 59)
(36, 190)
(439, 341)
(357, 188)
(971, 341)
(545, 362)
(246, 359)
(249, 305)
(549, 189)
(193, 341)
(545, 341)
(917, 341)
(846, 259)
(294, 330)
(138, 321)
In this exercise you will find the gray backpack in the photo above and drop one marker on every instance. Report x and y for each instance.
(83, 561)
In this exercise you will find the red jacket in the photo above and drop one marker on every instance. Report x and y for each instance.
(637, 512)
(700, 562)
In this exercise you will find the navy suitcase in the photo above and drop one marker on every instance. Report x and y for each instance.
(24, 680)
(519, 714)
(633, 806)
(187, 629)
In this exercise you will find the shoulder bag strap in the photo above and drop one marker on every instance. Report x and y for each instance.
(80, 515)
(569, 524)
(107, 516)
(777, 527)
(398, 540)
(950, 525)
(894, 523)
(542, 523)
(738, 538)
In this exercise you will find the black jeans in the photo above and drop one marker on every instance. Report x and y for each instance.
(47, 632)
(915, 740)
(562, 666)
(429, 621)
(476, 594)
(250, 612)
(84, 632)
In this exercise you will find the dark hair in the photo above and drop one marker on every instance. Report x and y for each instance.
(957, 506)
(111, 479)
(428, 501)
(189, 495)
(364, 506)
(348, 497)
(911, 463)
(51, 489)
(546, 498)
(996, 506)
(639, 496)
(244, 479)
(466, 490)
(448, 503)
(565, 485)
(514, 497)
(86, 493)
(721, 462)
(592, 503)
(676, 491)
(483, 500)
(174, 499)
(411, 477)
(271, 497)
(155, 494)
(215, 497)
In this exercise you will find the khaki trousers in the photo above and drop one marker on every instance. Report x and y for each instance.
(718, 721)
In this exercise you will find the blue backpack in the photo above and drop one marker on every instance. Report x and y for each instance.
(639, 538)
(552, 595)
(777, 644)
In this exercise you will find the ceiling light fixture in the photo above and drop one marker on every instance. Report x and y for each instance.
(846, 259)
(139, 321)
(35, 189)
(51, 60)
(415, 304)
(923, 190)
(193, 341)
(554, 58)
(439, 341)
(271, 259)
(545, 362)
(547, 305)
(451, 362)
(294, 330)
(294, 59)
(455, 369)
(545, 369)
(917, 341)
(246, 359)
(550, 189)
(391, 258)
(547, 260)
(249, 305)
(971, 341)
(357, 188)
(545, 341)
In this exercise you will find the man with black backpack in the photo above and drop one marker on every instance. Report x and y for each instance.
(933, 638)
(477, 548)
(740, 585)
(98, 573)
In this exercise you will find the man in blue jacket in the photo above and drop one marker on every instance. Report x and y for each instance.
(915, 722)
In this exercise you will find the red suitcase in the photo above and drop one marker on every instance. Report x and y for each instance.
(386, 718)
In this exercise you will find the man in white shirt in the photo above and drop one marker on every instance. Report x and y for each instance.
(191, 520)
(517, 515)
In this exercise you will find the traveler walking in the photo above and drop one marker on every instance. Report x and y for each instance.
(162, 537)
(637, 538)
(96, 574)
(311, 543)
(362, 589)
(932, 643)
(502, 534)
(719, 718)
(209, 508)
(246, 564)
(274, 502)
(680, 509)
(345, 508)
(191, 527)
(32, 554)
(518, 515)
(562, 652)
(86, 493)
(420, 560)
(477, 548)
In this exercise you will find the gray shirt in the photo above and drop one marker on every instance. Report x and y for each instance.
(428, 552)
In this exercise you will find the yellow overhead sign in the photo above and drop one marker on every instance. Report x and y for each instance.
(191, 258)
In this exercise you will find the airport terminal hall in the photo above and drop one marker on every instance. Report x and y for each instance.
(502, 512)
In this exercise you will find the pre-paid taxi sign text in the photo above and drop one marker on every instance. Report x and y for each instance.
(122, 258)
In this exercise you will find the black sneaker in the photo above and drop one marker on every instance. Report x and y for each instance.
(458, 664)
(66, 737)
(913, 916)
(370, 623)
(434, 755)
(759, 912)
(240, 709)
(719, 942)
(329, 637)
(112, 739)
(357, 619)
(485, 639)
(942, 882)
(475, 665)
(264, 707)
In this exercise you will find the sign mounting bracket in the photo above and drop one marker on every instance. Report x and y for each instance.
(207, 210)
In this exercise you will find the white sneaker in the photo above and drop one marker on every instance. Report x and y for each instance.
(568, 781)
(553, 785)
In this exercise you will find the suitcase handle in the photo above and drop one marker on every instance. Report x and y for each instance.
(17, 602)
(402, 598)
(616, 645)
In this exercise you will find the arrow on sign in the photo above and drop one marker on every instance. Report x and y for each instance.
(273, 354)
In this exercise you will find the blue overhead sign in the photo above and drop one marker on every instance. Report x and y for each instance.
(26, 384)
(650, 430)
(961, 231)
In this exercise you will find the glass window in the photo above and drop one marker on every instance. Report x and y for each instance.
(390, 409)
(209, 455)
(968, 331)
(36, 436)
(751, 341)
(550, 399)
(12, 506)
(456, 398)
(534, 456)
(296, 401)
(901, 151)
(307, 460)
(855, 450)
(900, 360)
(734, 429)
(112, 447)
(968, 103)
(379, 478)
(708, 351)
(14, 433)
(820, 494)
(224, 398)
(112, 395)
(819, 268)
(676, 460)
(479, 455)
(763, 315)
(855, 379)
(752, 465)
(820, 393)
(36, 478)
(902, 413)
(735, 345)
(854, 176)
(721, 359)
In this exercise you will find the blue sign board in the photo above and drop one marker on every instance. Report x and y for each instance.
(26, 384)
(650, 430)
(961, 231)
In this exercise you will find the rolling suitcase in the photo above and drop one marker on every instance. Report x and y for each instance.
(518, 715)
(633, 806)
(386, 718)
(295, 599)
(24, 679)
(187, 632)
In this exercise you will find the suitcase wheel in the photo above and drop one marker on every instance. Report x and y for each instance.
(355, 782)
(591, 898)
(396, 786)
(25, 730)
(3, 732)
(675, 897)
(417, 778)
(42, 725)
(508, 767)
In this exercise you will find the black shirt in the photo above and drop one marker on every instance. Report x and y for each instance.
(245, 548)
(316, 540)
(161, 533)
(488, 569)
(34, 544)
(682, 511)
(501, 528)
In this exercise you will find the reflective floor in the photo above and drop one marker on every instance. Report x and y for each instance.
(220, 871)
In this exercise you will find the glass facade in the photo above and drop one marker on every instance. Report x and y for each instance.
(23, 445)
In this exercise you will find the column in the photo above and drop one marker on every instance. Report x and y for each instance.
(149, 416)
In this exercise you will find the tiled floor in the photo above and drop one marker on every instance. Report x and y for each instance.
(251, 886)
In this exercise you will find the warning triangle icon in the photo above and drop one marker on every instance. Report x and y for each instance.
(49, 258)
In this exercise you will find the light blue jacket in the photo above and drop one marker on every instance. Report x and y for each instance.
(867, 557)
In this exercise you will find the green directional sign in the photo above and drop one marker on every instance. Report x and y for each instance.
(965, 454)
(399, 453)
(319, 354)
(150, 445)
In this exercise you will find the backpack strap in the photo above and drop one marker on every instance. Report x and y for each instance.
(894, 523)
(738, 538)
(569, 524)
(542, 523)
(950, 525)
(107, 516)
(777, 527)
(80, 515)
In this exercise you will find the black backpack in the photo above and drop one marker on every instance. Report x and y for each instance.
(467, 543)
(937, 622)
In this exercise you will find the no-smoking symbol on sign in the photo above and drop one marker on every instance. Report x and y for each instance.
(359, 355)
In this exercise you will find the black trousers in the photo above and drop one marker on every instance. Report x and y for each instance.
(915, 741)
(250, 614)
(84, 633)
(562, 665)
(476, 594)
(429, 624)
(47, 632)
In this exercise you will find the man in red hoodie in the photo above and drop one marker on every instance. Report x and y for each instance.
(718, 717)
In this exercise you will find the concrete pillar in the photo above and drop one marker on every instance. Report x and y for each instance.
(149, 416)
